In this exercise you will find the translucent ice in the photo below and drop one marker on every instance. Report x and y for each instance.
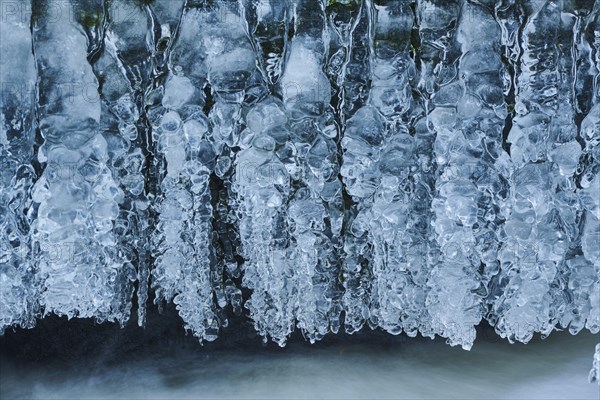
(182, 271)
(595, 372)
(19, 294)
(413, 166)
(76, 198)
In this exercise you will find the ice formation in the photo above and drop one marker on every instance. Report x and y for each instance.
(76, 199)
(19, 284)
(416, 166)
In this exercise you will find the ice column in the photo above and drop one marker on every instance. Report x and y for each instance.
(124, 73)
(536, 234)
(182, 271)
(587, 284)
(379, 159)
(349, 68)
(315, 216)
(268, 24)
(234, 82)
(262, 188)
(576, 292)
(77, 197)
(472, 175)
(434, 57)
(589, 175)
(291, 165)
(595, 372)
(19, 286)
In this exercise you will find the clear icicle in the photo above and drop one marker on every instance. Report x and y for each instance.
(584, 282)
(349, 66)
(78, 200)
(182, 271)
(543, 149)
(123, 70)
(595, 372)
(19, 294)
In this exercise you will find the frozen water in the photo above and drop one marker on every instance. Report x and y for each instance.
(76, 199)
(19, 293)
(595, 372)
(415, 166)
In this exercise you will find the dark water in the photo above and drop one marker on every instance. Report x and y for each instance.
(75, 360)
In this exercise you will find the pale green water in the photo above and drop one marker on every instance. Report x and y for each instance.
(555, 368)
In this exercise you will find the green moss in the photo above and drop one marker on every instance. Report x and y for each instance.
(162, 44)
(89, 19)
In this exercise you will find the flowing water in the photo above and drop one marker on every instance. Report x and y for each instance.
(348, 367)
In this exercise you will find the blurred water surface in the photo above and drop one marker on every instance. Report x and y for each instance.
(393, 368)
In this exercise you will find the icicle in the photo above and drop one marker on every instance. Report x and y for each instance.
(584, 282)
(349, 67)
(468, 119)
(19, 294)
(182, 271)
(536, 235)
(595, 372)
(78, 199)
(123, 70)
